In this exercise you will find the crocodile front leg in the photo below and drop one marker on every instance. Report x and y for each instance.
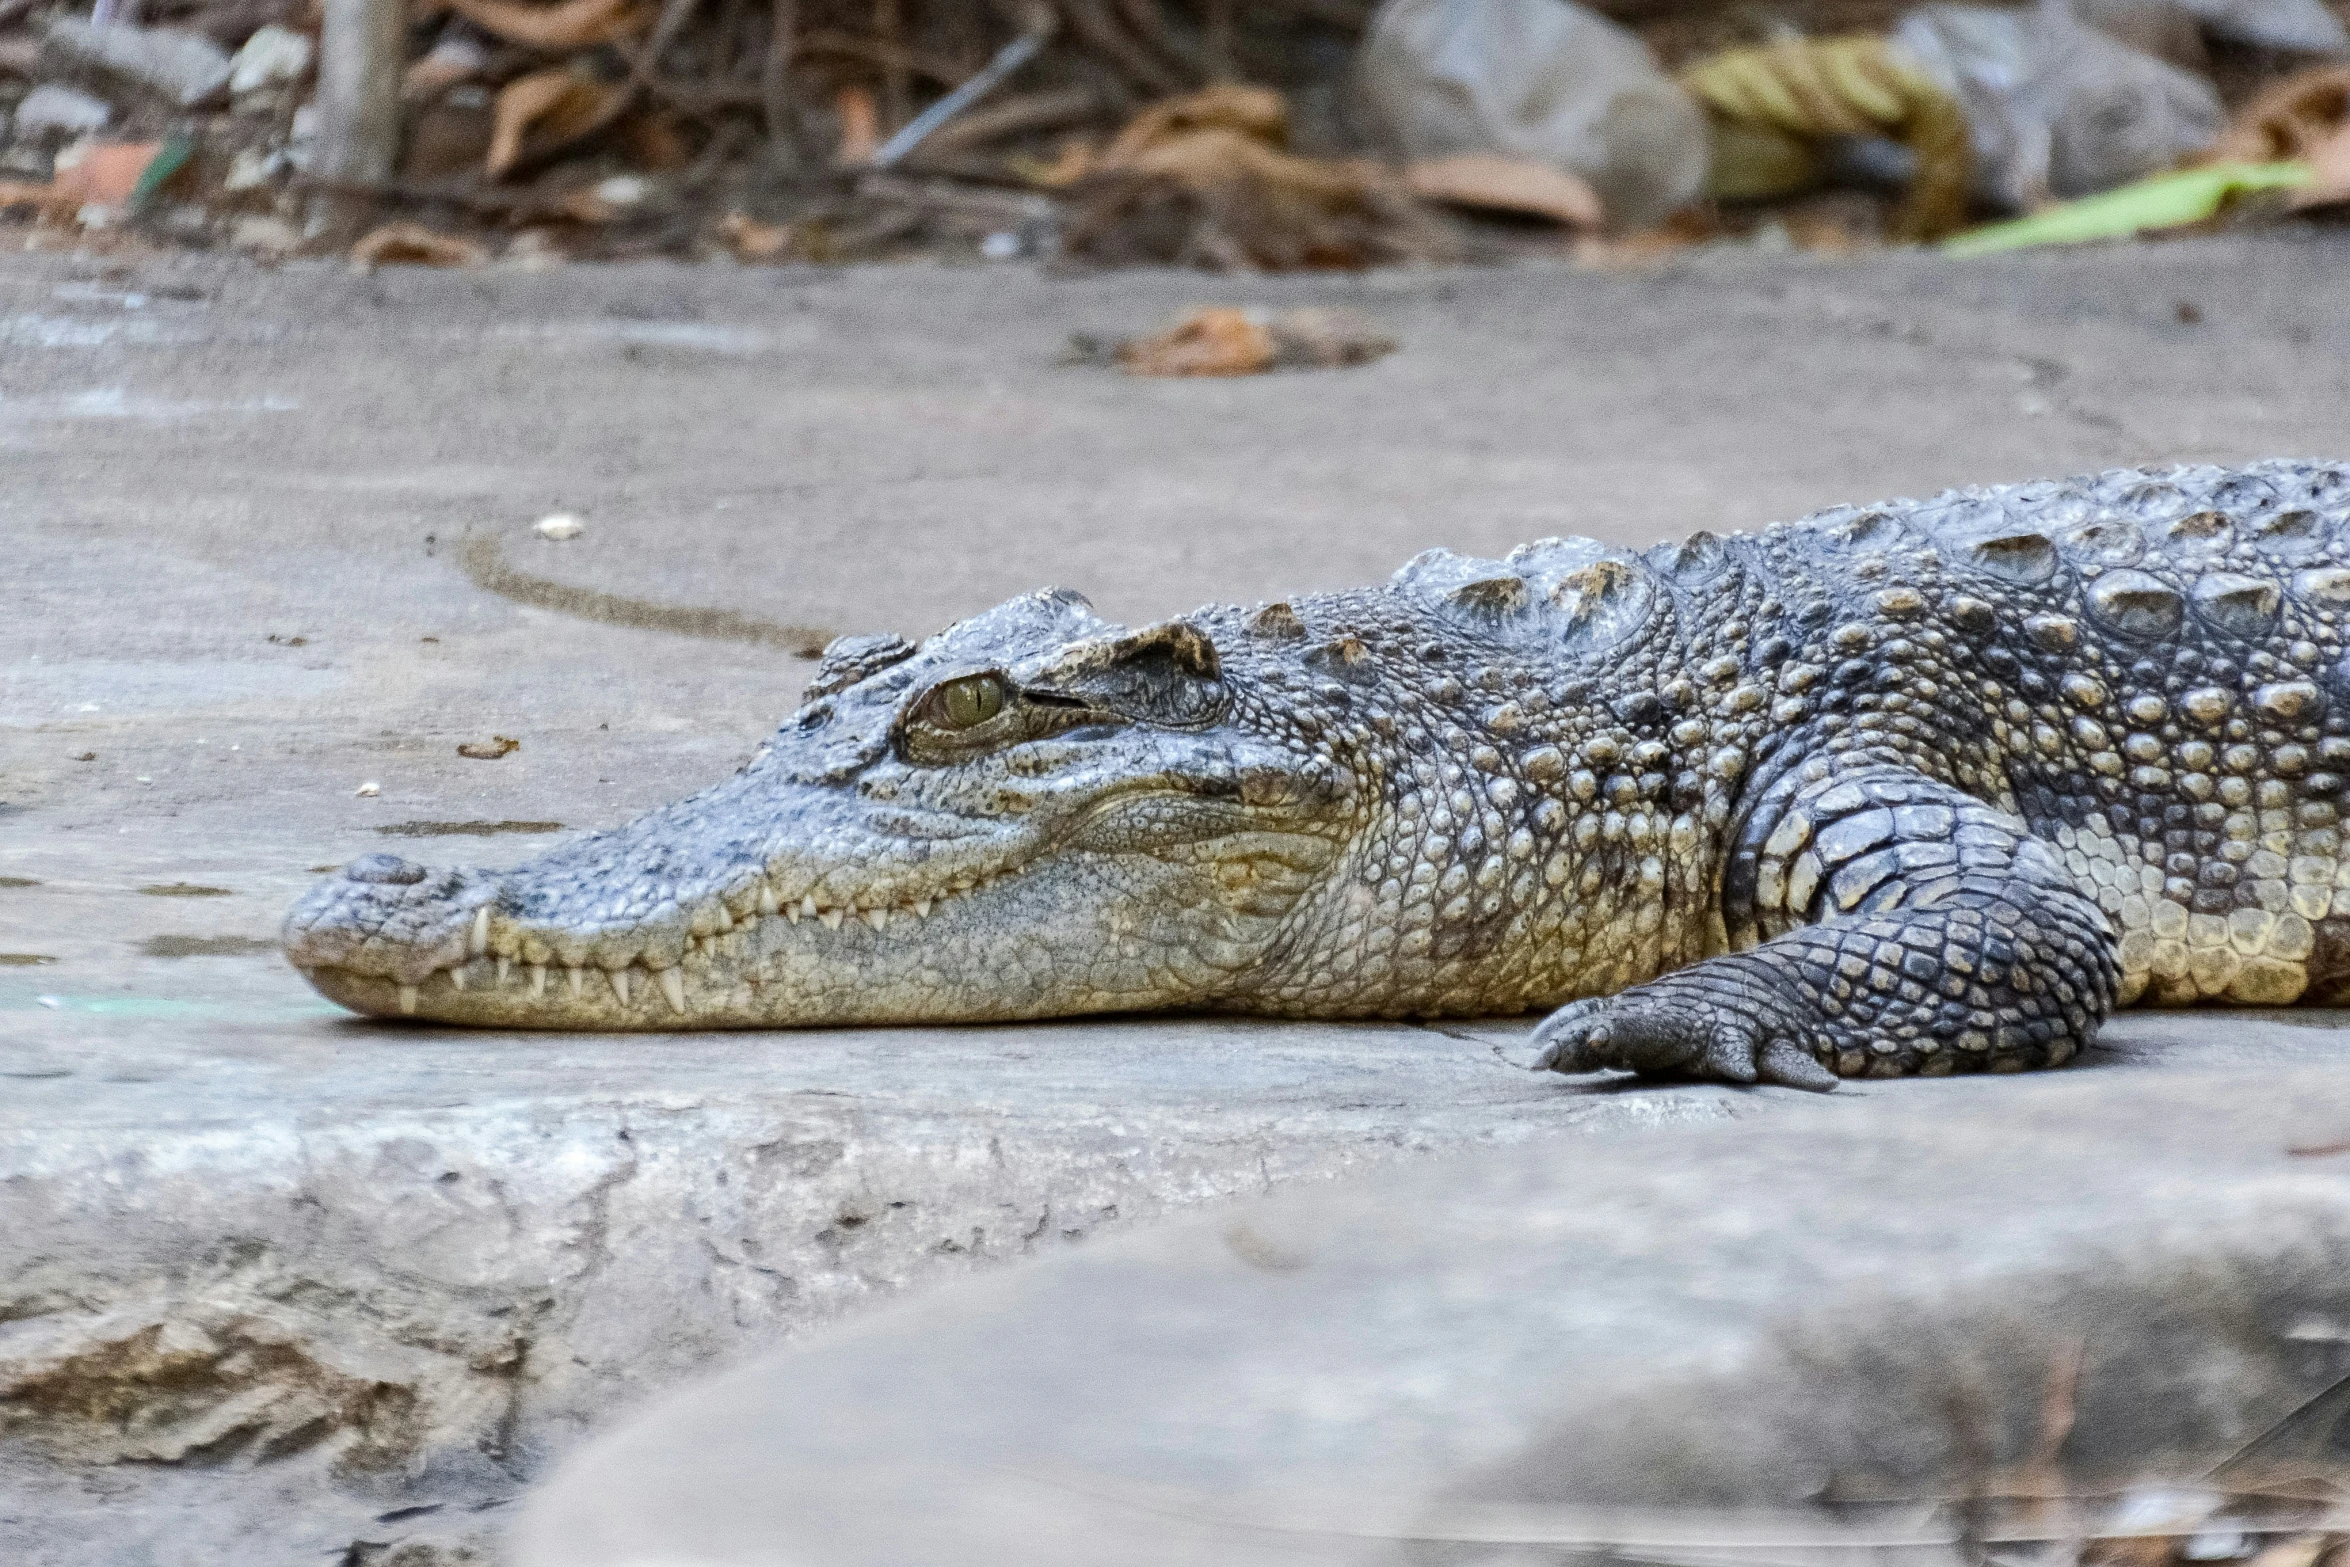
(1917, 930)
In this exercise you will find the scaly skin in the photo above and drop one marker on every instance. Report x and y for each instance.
(1921, 787)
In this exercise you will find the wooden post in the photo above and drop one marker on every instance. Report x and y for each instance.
(362, 52)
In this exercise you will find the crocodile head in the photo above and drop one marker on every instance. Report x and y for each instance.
(1032, 814)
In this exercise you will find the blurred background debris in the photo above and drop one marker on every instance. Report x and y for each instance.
(1268, 136)
(1226, 340)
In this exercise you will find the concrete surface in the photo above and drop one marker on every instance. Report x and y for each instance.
(1562, 1341)
(267, 1274)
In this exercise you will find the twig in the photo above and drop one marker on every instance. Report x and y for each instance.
(827, 41)
(1148, 23)
(1222, 65)
(641, 66)
(1008, 59)
(1099, 32)
(896, 90)
(775, 103)
(1347, 15)
(1036, 111)
(511, 206)
(992, 205)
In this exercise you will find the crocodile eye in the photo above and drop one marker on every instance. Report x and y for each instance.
(969, 702)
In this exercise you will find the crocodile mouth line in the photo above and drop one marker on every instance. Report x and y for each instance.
(727, 937)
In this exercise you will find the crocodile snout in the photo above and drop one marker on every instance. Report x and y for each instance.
(388, 918)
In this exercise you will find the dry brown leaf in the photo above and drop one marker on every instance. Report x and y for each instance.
(752, 240)
(1204, 180)
(103, 172)
(654, 140)
(559, 105)
(1076, 159)
(433, 74)
(559, 28)
(1214, 340)
(52, 201)
(412, 244)
(860, 127)
(489, 750)
(2289, 119)
(1224, 340)
(2330, 163)
(1220, 198)
(1481, 179)
(1257, 113)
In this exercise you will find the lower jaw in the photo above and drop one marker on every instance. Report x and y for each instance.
(529, 998)
(692, 996)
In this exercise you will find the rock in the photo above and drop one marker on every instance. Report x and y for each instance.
(54, 110)
(273, 55)
(252, 168)
(271, 236)
(342, 1275)
(185, 68)
(1720, 1317)
(302, 137)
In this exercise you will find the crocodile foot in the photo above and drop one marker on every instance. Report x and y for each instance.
(1677, 1030)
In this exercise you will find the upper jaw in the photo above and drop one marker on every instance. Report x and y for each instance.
(442, 943)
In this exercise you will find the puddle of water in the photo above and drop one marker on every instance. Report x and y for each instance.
(166, 1008)
(460, 830)
(205, 946)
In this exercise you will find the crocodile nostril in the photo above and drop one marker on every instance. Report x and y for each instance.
(384, 870)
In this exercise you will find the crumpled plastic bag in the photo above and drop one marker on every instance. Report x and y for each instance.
(1536, 79)
(2055, 107)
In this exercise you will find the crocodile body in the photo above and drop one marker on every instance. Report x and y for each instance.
(1915, 787)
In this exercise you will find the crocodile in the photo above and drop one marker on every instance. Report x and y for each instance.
(1912, 788)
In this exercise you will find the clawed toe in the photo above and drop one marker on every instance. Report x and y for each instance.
(1786, 1064)
(1649, 1037)
(1573, 1039)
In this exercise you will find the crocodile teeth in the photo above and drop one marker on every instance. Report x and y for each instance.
(878, 918)
(725, 919)
(481, 930)
(505, 967)
(457, 976)
(808, 906)
(673, 986)
(408, 1000)
(538, 982)
(619, 978)
(922, 908)
(767, 899)
(575, 975)
(831, 918)
(792, 912)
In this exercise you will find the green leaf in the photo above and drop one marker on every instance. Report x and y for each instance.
(2160, 201)
(169, 159)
